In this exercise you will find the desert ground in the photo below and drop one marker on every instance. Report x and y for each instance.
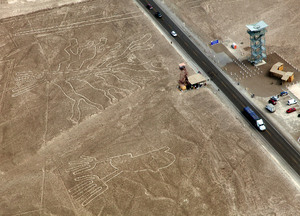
(92, 123)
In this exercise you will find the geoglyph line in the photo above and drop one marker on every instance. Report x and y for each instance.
(7, 77)
(98, 89)
(133, 46)
(112, 175)
(76, 102)
(42, 15)
(23, 90)
(90, 186)
(113, 86)
(27, 80)
(43, 187)
(84, 165)
(81, 24)
(88, 101)
(79, 188)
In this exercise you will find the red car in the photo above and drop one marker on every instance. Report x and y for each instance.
(291, 110)
(272, 101)
(149, 6)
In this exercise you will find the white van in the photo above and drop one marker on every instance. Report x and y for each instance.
(271, 108)
(291, 102)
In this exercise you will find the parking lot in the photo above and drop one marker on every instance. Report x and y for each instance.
(289, 123)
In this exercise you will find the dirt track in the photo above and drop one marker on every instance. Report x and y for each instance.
(92, 124)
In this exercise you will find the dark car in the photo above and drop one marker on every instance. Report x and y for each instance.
(158, 14)
(291, 110)
(149, 6)
(272, 101)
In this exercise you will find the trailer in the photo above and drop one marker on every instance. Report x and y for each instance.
(251, 115)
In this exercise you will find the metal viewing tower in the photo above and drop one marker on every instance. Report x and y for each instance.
(257, 42)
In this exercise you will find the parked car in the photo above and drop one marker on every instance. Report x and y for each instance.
(291, 102)
(291, 110)
(158, 14)
(173, 33)
(271, 108)
(275, 98)
(274, 102)
(284, 93)
(149, 6)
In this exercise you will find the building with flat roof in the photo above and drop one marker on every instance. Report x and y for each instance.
(277, 71)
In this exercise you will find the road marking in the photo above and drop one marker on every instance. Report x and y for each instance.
(295, 161)
(223, 84)
(233, 95)
(195, 53)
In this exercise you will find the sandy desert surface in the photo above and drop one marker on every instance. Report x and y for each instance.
(92, 123)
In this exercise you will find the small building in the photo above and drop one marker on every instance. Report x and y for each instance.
(187, 81)
(277, 71)
(196, 79)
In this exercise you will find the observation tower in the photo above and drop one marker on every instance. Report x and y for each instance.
(257, 42)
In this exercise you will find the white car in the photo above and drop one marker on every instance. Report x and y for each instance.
(271, 108)
(291, 102)
(275, 98)
(173, 33)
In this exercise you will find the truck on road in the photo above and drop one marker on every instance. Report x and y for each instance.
(251, 115)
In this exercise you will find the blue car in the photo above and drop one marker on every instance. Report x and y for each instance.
(283, 93)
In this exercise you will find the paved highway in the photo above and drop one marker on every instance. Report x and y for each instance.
(272, 135)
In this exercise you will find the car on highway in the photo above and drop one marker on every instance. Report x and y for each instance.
(284, 93)
(173, 33)
(158, 14)
(149, 6)
(291, 110)
(291, 102)
(272, 101)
